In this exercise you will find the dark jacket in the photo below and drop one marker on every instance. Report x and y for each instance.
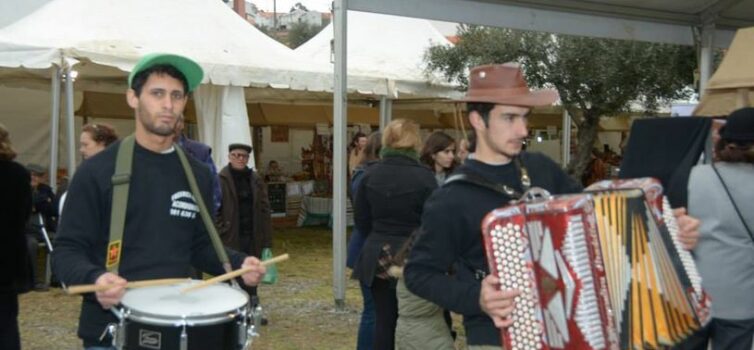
(163, 236)
(203, 153)
(15, 208)
(388, 208)
(43, 202)
(228, 218)
(357, 237)
(451, 234)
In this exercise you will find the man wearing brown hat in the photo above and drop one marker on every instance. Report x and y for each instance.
(498, 102)
(244, 220)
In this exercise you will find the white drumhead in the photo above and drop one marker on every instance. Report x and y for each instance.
(168, 301)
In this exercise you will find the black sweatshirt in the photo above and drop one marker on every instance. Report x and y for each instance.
(163, 236)
(451, 226)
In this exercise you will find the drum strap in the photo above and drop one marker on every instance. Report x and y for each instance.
(121, 180)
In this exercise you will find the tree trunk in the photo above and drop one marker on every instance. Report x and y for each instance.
(587, 134)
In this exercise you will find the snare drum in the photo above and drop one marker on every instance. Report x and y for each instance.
(215, 317)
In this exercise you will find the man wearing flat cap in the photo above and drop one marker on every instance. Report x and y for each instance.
(162, 234)
(498, 102)
(244, 219)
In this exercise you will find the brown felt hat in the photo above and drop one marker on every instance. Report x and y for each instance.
(504, 84)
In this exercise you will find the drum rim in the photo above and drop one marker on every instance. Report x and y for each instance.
(176, 321)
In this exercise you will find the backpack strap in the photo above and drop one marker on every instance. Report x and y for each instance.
(120, 180)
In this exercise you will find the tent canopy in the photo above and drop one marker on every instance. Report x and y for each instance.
(107, 37)
(396, 66)
(731, 86)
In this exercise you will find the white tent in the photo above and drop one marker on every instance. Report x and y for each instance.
(102, 39)
(385, 55)
(731, 86)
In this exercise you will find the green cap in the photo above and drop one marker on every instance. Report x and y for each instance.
(190, 69)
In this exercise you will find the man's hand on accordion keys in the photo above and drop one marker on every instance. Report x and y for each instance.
(688, 228)
(497, 304)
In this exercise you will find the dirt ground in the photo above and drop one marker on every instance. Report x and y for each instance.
(300, 307)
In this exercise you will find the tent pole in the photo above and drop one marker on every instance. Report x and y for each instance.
(705, 59)
(54, 126)
(340, 179)
(70, 122)
(566, 138)
(386, 111)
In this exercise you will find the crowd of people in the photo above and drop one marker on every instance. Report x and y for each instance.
(415, 250)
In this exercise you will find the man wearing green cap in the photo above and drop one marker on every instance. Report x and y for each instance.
(163, 234)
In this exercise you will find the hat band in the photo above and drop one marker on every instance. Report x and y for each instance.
(498, 92)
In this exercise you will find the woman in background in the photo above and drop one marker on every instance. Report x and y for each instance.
(95, 138)
(356, 151)
(439, 154)
(365, 338)
(388, 207)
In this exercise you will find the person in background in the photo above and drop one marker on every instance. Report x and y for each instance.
(274, 172)
(202, 153)
(15, 269)
(388, 207)
(466, 147)
(43, 216)
(439, 154)
(721, 195)
(355, 151)
(244, 221)
(95, 138)
(365, 338)
(421, 323)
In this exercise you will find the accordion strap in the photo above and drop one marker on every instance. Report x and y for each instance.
(746, 226)
(472, 177)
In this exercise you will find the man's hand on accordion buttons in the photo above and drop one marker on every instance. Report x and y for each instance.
(497, 304)
(688, 228)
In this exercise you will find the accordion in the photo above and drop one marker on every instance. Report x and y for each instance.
(597, 270)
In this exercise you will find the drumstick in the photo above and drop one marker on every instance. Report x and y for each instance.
(232, 274)
(89, 288)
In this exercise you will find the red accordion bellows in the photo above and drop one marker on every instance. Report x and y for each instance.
(598, 270)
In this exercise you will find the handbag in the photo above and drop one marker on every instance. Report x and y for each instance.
(746, 226)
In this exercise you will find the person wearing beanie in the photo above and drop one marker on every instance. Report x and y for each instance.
(721, 195)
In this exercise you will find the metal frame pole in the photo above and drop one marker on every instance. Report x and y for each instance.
(70, 122)
(340, 121)
(54, 124)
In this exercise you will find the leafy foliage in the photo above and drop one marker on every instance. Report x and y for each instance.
(300, 33)
(594, 77)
